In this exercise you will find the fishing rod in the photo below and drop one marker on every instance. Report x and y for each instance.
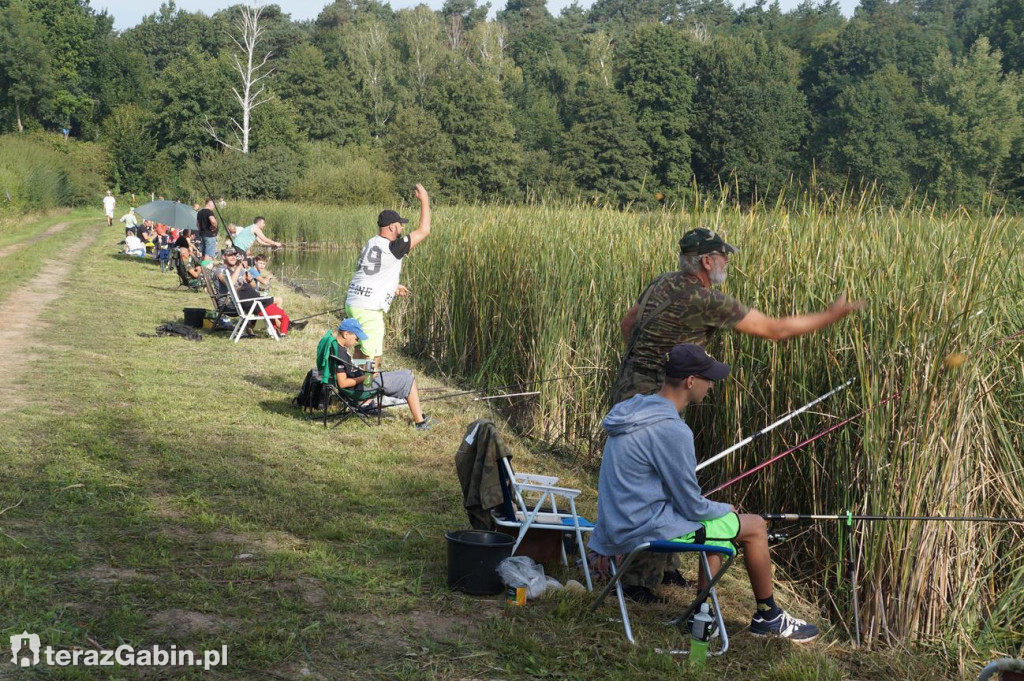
(509, 386)
(498, 397)
(209, 195)
(833, 427)
(744, 442)
(318, 314)
(849, 517)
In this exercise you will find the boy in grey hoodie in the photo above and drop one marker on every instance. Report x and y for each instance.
(648, 487)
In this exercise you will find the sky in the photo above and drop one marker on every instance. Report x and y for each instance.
(128, 13)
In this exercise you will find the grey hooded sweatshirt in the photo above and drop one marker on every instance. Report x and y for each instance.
(648, 485)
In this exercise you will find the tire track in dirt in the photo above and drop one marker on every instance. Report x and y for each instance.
(57, 228)
(22, 328)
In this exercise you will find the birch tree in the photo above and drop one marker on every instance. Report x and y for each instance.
(253, 71)
(420, 33)
(373, 60)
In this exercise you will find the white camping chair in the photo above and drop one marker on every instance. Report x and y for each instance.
(255, 314)
(543, 514)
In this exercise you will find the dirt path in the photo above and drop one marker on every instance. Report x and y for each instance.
(23, 327)
(59, 227)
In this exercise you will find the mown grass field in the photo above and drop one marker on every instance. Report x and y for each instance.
(158, 491)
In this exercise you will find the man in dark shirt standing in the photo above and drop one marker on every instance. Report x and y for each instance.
(206, 224)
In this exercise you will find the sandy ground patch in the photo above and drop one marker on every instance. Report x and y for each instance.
(23, 325)
(57, 228)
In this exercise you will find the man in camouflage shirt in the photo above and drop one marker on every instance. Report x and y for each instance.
(682, 307)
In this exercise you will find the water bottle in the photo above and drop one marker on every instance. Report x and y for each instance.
(700, 634)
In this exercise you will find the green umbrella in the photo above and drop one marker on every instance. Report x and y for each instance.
(170, 213)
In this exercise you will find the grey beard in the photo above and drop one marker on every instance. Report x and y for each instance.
(718, 276)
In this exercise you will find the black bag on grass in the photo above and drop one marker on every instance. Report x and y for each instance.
(312, 394)
(172, 329)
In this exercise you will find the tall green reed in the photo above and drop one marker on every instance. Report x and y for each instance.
(512, 293)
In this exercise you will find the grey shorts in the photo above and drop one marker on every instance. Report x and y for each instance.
(395, 383)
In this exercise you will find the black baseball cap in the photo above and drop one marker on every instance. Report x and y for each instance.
(687, 359)
(702, 241)
(388, 217)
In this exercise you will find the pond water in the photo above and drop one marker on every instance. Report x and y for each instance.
(317, 272)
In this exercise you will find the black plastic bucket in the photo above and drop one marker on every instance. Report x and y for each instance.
(473, 558)
(194, 316)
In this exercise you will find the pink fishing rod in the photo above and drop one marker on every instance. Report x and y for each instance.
(836, 426)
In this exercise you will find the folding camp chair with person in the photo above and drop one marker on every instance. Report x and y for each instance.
(541, 512)
(221, 302)
(250, 311)
(362, 400)
(182, 267)
(619, 568)
(650, 501)
(338, 370)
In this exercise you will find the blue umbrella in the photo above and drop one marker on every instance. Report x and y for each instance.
(170, 213)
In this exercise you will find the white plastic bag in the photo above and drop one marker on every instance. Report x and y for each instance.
(524, 571)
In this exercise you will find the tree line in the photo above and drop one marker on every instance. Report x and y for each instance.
(628, 102)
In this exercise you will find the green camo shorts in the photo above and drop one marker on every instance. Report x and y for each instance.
(720, 531)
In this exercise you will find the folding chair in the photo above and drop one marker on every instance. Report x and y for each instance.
(353, 401)
(179, 266)
(673, 547)
(221, 301)
(256, 313)
(544, 513)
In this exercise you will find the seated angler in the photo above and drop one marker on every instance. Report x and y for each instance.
(648, 488)
(133, 245)
(335, 364)
(259, 277)
(244, 237)
(232, 273)
(187, 264)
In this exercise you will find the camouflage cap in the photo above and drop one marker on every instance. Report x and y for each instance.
(702, 241)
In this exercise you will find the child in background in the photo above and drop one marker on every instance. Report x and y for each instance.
(259, 276)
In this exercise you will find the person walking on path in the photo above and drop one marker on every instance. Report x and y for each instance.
(206, 224)
(376, 280)
(683, 307)
(109, 202)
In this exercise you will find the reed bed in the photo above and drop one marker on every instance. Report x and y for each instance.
(504, 294)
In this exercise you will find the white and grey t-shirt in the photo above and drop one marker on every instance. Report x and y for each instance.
(377, 273)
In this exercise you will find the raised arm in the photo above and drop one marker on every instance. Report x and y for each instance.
(758, 324)
(423, 231)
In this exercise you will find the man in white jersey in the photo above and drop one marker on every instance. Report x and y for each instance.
(376, 281)
(108, 207)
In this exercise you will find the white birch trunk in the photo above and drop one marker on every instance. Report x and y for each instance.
(252, 75)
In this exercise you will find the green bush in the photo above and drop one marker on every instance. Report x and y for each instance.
(42, 171)
(350, 176)
(262, 174)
